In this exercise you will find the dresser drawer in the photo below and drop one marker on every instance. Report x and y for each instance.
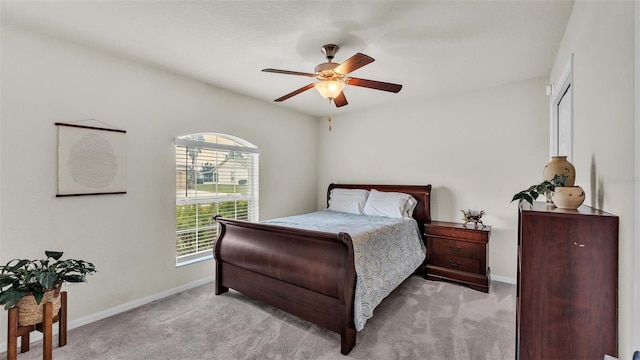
(454, 247)
(455, 262)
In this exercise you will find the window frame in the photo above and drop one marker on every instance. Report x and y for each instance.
(252, 195)
(563, 92)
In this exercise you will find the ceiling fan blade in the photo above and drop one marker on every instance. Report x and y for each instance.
(372, 84)
(287, 72)
(354, 63)
(341, 100)
(294, 93)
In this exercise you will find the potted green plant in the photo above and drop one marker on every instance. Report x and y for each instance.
(22, 280)
(546, 187)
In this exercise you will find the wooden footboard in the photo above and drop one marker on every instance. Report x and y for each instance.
(309, 274)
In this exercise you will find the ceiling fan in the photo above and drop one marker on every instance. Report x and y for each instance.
(332, 77)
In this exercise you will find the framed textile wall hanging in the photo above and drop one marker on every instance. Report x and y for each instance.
(91, 160)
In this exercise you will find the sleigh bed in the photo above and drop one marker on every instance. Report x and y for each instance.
(308, 273)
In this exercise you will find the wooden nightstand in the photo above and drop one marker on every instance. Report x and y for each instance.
(458, 253)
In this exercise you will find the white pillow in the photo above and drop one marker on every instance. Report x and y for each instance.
(389, 204)
(348, 200)
(411, 205)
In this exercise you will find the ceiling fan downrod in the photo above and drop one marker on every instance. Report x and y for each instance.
(329, 51)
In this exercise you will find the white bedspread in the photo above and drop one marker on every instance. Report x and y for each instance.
(386, 251)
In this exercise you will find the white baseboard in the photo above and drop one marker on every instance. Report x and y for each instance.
(503, 279)
(37, 336)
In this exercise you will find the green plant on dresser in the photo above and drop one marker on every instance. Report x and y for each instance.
(544, 188)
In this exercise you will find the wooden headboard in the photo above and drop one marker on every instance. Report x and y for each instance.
(422, 193)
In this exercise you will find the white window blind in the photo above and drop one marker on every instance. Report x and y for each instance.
(216, 174)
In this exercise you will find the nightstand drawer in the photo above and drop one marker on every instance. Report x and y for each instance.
(455, 262)
(458, 248)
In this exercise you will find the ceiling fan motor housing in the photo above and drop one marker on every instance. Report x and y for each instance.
(325, 71)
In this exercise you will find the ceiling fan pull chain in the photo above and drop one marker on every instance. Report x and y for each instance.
(329, 117)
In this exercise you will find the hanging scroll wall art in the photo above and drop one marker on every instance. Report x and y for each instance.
(91, 160)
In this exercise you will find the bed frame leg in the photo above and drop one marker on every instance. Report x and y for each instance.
(347, 340)
(221, 289)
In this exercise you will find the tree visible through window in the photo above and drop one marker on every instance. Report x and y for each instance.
(216, 174)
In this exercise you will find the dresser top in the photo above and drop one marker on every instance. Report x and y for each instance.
(542, 207)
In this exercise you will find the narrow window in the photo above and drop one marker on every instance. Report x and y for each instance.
(562, 114)
(216, 174)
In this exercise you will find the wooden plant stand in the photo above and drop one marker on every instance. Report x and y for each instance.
(45, 327)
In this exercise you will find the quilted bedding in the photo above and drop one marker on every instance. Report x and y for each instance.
(386, 252)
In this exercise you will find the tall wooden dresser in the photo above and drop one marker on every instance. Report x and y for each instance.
(567, 283)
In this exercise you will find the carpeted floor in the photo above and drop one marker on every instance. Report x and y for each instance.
(422, 319)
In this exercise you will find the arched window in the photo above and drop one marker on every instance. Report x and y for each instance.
(215, 174)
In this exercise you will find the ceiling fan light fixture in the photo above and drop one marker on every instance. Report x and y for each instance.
(329, 89)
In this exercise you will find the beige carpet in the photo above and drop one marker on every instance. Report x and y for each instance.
(422, 319)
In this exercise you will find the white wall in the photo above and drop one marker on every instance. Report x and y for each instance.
(476, 150)
(601, 35)
(130, 238)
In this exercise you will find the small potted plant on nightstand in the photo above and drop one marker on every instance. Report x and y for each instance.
(28, 283)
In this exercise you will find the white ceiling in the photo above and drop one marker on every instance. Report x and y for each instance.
(431, 47)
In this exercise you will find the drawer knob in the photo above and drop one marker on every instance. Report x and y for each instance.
(454, 248)
(454, 263)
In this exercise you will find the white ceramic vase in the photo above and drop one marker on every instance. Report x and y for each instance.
(568, 197)
(559, 165)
